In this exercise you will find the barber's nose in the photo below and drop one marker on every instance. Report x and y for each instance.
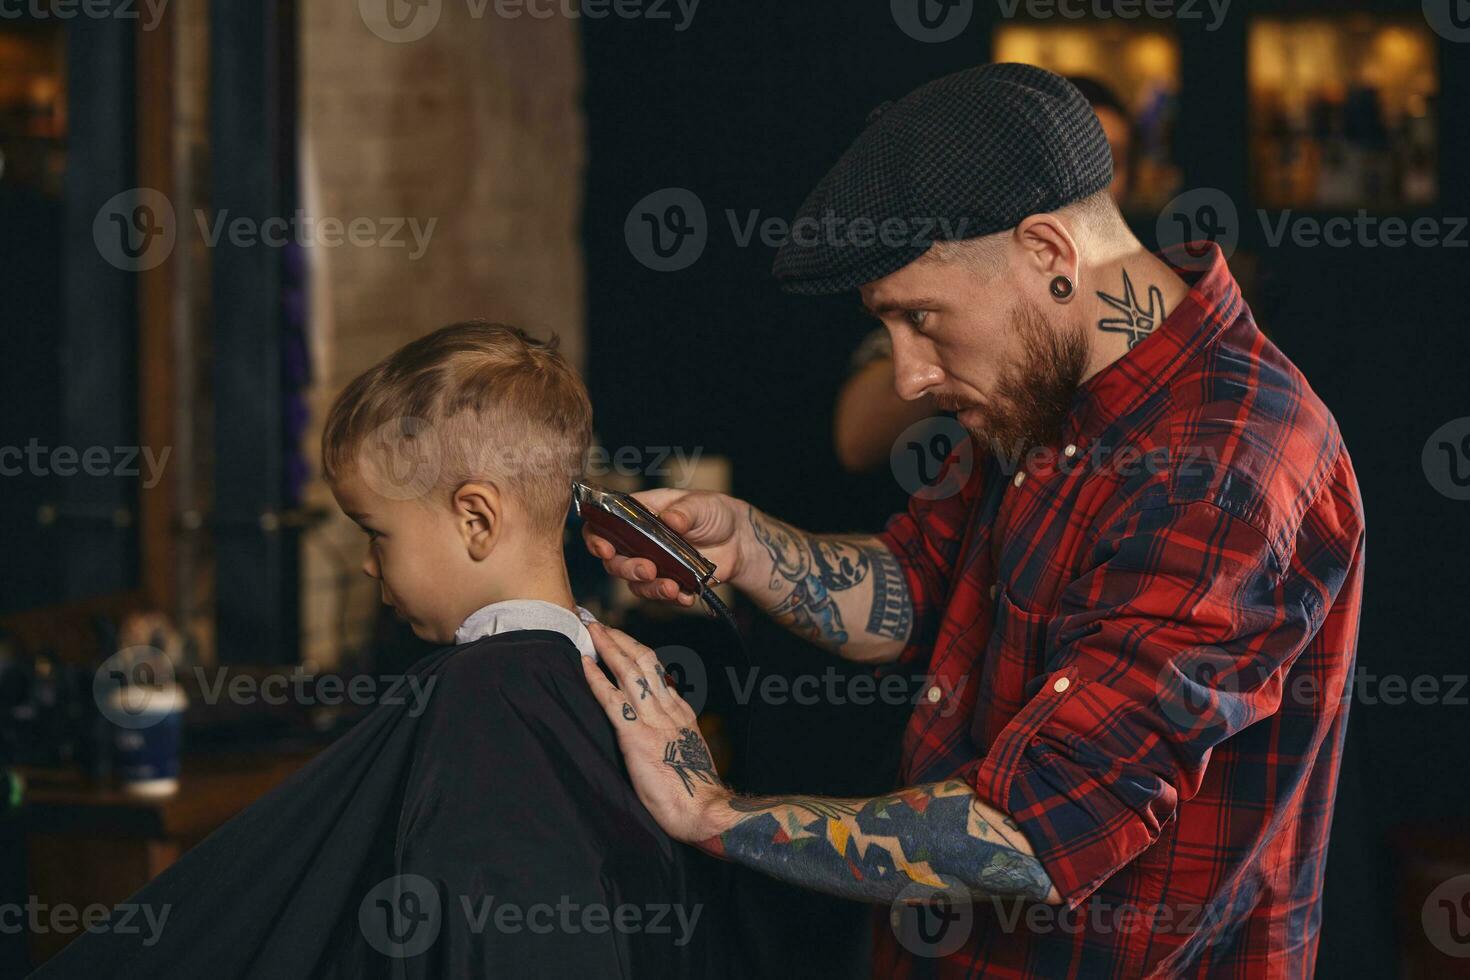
(913, 375)
(370, 566)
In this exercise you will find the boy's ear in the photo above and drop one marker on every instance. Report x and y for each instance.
(478, 513)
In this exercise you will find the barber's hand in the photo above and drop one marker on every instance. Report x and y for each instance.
(716, 524)
(667, 758)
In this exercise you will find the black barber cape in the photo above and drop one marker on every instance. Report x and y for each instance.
(496, 834)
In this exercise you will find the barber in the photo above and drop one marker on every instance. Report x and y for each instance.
(869, 415)
(1138, 607)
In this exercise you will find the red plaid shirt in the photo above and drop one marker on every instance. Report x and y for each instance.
(1139, 646)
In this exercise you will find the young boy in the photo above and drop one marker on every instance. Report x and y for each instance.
(494, 833)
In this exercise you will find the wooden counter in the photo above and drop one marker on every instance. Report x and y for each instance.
(88, 843)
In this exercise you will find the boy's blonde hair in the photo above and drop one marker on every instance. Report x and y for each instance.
(470, 401)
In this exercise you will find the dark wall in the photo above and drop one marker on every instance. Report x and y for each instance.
(751, 105)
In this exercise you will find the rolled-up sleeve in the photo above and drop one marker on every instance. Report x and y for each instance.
(925, 539)
(1178, 636)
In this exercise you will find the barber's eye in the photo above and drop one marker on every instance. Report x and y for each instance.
(916, 318)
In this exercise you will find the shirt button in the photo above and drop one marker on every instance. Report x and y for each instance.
(1020, 478)
(1070, 451)
(1061, 685)
(994, 589)
(934, 694)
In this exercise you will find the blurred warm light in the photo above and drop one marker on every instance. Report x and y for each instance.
(1153, 56)
(1319, 88)
(1148, 59)
(1297, 60)
(43, 90)
(1140, 65)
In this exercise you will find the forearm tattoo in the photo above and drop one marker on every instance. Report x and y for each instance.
(816, 567)
(871, 850)
(1136, 320)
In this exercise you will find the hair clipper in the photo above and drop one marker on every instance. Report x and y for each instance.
(637, 532)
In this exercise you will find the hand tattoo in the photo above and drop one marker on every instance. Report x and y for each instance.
(1137, 321)
(628, 712)
(689, 757)
(643, 683)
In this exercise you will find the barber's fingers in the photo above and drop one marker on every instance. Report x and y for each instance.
(666, 589)
(660, 498)
(662, 589)
(640, 574)
(639, 675)
(607, 694)
(620, 566)
(702, 517)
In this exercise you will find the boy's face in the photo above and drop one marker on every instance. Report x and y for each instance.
(417, 552)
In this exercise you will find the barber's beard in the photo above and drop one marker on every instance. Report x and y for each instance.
(1032, 400)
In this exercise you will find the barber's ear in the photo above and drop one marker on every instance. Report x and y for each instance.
(1048, 246)
(478, 512)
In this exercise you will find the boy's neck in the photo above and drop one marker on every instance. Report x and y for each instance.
(547, 582)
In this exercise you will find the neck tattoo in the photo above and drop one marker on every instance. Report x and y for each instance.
(1137, 320)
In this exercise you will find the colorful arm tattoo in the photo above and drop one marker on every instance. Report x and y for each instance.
(938, 834)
